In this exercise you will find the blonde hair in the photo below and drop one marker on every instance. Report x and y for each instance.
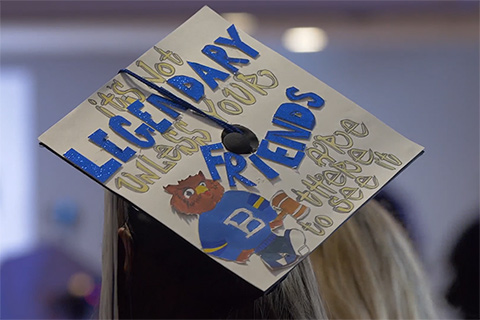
(296, 297)
(368, 270)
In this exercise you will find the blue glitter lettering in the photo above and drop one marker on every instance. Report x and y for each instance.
(209, 74)
(264, 168)
(296, 114)
(163, 105)
(101, 174)
(237, 42)
(135, 107)
(233, 170)
(143, 130)
(188, 85)
(212, 161)
(220, 56)
(99, 138)
(280, 136)
(315, 100)
(280, 155)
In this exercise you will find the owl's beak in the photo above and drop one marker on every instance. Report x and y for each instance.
(201, 189)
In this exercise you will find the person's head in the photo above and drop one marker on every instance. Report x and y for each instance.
(157, 274)
(368, 269)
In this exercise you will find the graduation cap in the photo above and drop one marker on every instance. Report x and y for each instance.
(245, 155)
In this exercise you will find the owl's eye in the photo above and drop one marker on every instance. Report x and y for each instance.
(203, 184)
(188, 193)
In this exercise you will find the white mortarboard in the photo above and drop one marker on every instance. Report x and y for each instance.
(212, 124)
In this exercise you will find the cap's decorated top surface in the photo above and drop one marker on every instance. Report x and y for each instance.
(256, 196)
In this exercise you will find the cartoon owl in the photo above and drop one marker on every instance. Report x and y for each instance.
(195, 194)
(233, 225)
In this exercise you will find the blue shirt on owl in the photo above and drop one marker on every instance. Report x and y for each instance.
(239, 221)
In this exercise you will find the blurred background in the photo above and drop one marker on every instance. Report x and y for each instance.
(413, 64)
